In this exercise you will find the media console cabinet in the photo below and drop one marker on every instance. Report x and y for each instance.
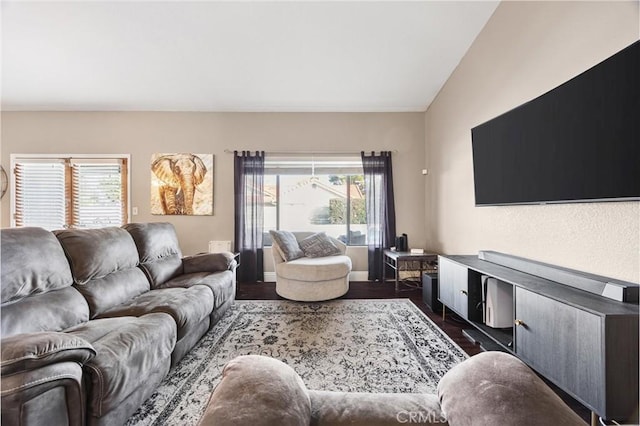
(566, 325)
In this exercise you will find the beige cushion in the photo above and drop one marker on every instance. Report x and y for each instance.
(495, 388)
(319, 245)
(315, 269)
(258, 391)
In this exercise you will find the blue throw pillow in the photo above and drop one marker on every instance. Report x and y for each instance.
(288, 245)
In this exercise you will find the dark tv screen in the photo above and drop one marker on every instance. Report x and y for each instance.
(576, 143)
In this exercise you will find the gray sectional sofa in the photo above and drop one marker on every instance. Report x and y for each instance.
(92, 320)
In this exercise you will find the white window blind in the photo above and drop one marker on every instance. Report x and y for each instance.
(55, 193)
(97, 194)
(40, 194)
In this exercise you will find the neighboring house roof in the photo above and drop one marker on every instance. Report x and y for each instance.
(270, 194)
(356, 192)
(338, 190)
(270, 191)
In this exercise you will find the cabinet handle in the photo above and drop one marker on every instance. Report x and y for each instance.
(463, 292)
(518, 322)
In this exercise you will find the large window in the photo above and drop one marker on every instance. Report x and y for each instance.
(316, 194)
(55, 192)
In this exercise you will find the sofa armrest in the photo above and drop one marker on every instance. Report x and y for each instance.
(497, 388)
(259, 391)
(209, 262)
(50, 395)
(30, 351)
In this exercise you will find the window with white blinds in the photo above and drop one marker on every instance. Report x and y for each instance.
(40, 194)
(56, 193)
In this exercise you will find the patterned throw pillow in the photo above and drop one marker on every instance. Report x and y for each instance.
(319, 245)
(288, 245)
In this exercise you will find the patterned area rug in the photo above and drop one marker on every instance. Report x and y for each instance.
(343, 345)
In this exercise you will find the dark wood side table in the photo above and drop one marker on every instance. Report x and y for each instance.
(396, 259)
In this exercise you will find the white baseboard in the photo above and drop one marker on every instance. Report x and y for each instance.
(359, 276)
(270, 277)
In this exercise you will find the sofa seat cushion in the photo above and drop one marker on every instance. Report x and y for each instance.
(495, 388)
(128, 350)
(220, 283)
(315, 269)
(188, 306)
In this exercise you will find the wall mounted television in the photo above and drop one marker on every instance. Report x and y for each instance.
(579, 142)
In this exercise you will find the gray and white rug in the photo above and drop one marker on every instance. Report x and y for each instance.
(343, 345)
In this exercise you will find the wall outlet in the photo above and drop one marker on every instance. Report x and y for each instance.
(134, 211)
(425, 171)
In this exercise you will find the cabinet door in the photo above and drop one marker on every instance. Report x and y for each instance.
(453, 280)
(562, 343)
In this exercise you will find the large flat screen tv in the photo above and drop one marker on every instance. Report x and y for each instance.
(579, 142)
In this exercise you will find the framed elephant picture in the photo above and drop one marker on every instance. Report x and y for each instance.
(182, 184)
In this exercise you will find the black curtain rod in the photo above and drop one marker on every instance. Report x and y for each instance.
(231, 151)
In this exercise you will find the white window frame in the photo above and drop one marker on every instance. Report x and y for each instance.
(15, 158)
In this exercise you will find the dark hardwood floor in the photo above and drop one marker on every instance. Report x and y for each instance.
(451, 325)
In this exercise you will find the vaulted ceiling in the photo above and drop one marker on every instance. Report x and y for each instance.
(233, 55)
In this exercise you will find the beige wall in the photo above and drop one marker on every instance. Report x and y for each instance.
(142, 134)
(526, 49)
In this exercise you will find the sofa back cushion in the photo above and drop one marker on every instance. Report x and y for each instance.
(32, 263)
(104, 266)
(159, 250)
(36, 284)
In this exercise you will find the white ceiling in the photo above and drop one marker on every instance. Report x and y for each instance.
(233, 56)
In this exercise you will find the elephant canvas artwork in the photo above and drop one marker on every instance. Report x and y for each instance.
(182, 184)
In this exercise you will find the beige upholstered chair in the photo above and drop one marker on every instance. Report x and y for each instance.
(312, 279)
